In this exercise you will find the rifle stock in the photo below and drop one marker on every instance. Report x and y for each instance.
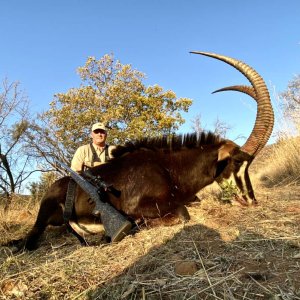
(115, 224)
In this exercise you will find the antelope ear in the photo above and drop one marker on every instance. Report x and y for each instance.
(225, 150)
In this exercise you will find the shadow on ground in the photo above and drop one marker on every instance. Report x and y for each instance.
(197, 264)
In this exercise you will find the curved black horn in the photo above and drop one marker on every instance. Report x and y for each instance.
(265, 116)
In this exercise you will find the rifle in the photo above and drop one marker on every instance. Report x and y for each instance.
(116, 226)
(100, 183)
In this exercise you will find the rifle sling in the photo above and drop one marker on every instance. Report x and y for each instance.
(69, 204)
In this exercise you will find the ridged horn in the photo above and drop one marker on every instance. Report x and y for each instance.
(249, 90)
(264, 122)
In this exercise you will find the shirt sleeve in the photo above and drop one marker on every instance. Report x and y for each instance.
(78, 161)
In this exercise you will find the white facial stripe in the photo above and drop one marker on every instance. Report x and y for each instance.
(241, 172)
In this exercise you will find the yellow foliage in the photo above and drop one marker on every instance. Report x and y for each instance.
(115, 94)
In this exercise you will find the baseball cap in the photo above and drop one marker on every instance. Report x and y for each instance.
(98, 125)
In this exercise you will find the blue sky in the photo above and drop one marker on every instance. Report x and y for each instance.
(44, 42)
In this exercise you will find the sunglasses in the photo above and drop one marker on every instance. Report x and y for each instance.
(99, 131)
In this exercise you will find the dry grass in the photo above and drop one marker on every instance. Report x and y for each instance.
(283, 163)
(224, 252)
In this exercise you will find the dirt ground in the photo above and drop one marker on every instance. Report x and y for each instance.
(224, 252)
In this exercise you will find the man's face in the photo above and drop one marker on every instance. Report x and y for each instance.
(99, 137)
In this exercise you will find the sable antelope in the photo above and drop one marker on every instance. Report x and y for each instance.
(158, 177)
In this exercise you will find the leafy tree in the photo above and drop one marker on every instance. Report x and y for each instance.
(15, 164)
(112, 93)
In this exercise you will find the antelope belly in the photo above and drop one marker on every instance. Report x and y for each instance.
(86, 228)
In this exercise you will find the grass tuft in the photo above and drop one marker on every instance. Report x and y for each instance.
(282, 167)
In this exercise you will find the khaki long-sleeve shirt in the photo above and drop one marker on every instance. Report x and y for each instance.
(83, 157)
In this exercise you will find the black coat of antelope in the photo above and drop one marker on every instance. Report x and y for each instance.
(158, 177)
